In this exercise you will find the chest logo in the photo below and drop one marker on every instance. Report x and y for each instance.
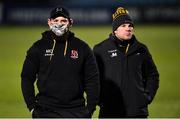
(113, 53)
(74, 54)
(48, 52)
(138, 53)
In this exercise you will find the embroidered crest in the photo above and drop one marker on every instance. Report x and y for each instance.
(74, 54)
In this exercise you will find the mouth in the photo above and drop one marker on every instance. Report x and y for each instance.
(128, 34)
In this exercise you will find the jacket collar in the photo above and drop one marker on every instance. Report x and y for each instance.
(134, 43)
(49, 35)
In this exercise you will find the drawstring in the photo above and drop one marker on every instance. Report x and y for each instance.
(65, 49)
(127, 48)
(54, 44)
(52, 49)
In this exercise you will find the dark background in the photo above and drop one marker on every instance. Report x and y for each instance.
(88, 12)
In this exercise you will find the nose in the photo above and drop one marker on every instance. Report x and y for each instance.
(129, 28)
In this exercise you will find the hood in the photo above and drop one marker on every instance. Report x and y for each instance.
(50, 36)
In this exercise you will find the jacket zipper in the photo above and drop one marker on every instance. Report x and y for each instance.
(127, 48)
(54, 44)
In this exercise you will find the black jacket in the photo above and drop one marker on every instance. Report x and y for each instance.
(129, 81)
(64, 69)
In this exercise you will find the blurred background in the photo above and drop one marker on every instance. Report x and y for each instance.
(157, 24)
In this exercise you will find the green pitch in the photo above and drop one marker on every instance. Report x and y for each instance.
(163, 42)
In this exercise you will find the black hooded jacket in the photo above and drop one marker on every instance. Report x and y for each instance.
(64, 69)
(128, 77)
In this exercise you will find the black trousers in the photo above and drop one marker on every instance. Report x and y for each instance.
(42, 112)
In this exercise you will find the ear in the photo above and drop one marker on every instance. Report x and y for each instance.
(71, 22)
(49, 22)
(115, 32)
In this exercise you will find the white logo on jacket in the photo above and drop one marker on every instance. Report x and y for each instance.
(113, 53)
(48, 52)
(138, 53)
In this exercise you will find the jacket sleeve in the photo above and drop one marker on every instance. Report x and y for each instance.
(91, 80)
(150, 75)
(101, 71)
(28, 76)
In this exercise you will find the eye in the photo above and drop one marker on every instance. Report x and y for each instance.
(64, 21)
(130, 25)
(56, 20)
(123, 25)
